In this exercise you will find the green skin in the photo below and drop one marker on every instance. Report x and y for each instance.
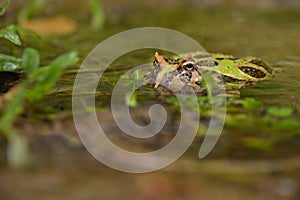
(234, 72)
(229, 65)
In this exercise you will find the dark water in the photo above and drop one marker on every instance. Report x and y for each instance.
(233, 170)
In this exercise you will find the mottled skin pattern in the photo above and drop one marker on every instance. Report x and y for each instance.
(186, 71)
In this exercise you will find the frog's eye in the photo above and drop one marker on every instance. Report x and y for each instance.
(188, 65)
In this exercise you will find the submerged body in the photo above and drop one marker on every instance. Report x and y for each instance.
(187, 71)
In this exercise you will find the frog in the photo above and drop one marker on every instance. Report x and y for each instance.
(187, 70)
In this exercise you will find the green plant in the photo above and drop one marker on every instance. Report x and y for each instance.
(11, 34)
(280, 111)
(4, 7)
(33, 7)
(97, 14)
(38, 81)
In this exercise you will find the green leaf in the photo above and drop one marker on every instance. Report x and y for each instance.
(33, 7)
(11, 111)
(65, 60)
(4, 7)
(44, 78)
(291, 125)
(30, 60)
(130, 99)
(251, 104)
(23, 30)
(90, 109)
(280, 111)
(41, 80)
(138, 75)
(98, 16)
(10, 63)
(173, 100)
(9, 33)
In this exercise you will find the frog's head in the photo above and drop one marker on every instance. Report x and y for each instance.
(179, 72)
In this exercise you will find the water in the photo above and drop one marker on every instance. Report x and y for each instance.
(234, 170)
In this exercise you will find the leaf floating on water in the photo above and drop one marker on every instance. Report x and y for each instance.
(280, 111)
(251, 104)
(288, 125)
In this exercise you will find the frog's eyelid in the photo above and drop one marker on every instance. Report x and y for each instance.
(187, 63)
